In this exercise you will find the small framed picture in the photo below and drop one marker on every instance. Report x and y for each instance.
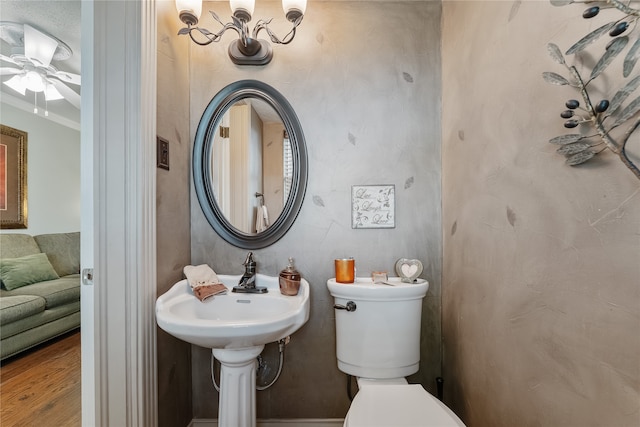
(373, 206)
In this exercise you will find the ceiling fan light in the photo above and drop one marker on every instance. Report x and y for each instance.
(16, 83)
(33, 81)
(51, 93)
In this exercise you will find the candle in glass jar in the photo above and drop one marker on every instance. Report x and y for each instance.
(345, 270)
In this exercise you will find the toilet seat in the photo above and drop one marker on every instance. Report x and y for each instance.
(390, 405)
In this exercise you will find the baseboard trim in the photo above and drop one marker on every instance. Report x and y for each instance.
(299, 422)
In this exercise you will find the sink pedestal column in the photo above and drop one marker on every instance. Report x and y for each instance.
(237, 406)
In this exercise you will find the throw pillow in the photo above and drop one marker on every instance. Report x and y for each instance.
(17, 272)
(63, 250)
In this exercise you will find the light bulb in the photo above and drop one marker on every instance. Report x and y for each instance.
(189, 11)
(246, 6)
(294, 8)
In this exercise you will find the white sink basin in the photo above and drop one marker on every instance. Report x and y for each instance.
(233, 320)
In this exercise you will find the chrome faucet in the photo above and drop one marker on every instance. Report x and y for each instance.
(247, 283)
(248, 279)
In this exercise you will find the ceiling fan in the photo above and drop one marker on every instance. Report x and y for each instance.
(31, 64)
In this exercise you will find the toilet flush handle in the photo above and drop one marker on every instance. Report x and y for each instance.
(351, 306)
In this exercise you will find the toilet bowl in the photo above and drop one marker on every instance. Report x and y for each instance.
(378, 342)
(397, 404)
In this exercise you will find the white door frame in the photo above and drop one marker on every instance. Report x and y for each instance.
(118, 136)
(86, 220)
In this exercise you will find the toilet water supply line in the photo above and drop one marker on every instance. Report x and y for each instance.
(281, 344)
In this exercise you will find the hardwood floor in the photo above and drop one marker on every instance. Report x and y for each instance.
(42, 386)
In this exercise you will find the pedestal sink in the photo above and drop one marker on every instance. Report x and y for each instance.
(236, 327)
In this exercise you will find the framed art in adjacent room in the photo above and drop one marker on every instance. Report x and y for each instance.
(13, 178)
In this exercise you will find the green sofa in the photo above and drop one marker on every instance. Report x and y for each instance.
(40, 292)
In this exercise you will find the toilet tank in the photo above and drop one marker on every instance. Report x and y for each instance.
(381, 338)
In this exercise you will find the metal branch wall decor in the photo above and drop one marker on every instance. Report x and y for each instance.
(608, 123)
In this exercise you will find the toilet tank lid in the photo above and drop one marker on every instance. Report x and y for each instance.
(399, 406)
(364, 289)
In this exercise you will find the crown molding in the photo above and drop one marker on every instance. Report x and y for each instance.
(28, 108)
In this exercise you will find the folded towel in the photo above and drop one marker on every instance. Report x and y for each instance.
(262, 219)
(203, 292)
(203, 281)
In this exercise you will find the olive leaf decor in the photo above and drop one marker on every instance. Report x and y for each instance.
(608, 123)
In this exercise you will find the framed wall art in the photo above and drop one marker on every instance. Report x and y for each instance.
(13, 178)
(373, 206)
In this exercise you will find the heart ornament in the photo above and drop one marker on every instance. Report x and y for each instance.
(408, 269)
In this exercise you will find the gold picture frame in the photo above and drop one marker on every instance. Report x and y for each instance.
(13, 178)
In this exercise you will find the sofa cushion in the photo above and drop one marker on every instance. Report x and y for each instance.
(63, 250)
(18, 307)
(56, 292)
(17, 245)
(37, 320)
(34, 336)
(22, 271)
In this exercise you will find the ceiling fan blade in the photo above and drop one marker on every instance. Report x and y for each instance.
(7, 71)
(38, 46)
(69, 94)
(68, 77)
(8, 59)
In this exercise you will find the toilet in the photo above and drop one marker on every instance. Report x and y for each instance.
(378, 342)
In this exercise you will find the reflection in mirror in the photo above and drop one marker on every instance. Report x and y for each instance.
(252, 165)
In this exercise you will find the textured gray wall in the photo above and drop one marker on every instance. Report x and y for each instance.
(364, 80)
(172, 204)
(541, 303)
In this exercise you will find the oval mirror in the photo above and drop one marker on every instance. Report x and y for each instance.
(250, 164)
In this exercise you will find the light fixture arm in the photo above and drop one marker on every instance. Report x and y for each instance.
(264, 25)
(236, 25)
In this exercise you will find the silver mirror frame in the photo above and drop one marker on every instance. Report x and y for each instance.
(203, 173)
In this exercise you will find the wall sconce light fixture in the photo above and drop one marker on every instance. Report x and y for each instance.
(247, 49)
